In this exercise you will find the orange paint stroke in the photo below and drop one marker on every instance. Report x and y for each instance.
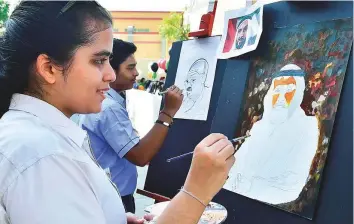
(289, 96)
(275, 99)
(284, 81)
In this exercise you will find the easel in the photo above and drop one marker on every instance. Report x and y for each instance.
(158, 198)
(205, 30)
(206, 24)
(231, 77)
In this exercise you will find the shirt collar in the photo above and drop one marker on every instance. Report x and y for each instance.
(116, 96)
(50, 115)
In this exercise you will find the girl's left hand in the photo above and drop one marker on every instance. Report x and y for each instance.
(133, 219)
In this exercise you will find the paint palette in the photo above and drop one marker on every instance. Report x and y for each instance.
(213, 214)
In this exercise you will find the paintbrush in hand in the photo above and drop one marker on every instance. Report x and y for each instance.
(164, 92)
(233, 141)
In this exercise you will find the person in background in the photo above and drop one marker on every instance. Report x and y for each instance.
(114, 141)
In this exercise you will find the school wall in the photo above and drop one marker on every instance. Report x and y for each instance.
(145, 34)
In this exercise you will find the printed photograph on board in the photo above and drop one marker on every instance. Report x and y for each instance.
(242, 31)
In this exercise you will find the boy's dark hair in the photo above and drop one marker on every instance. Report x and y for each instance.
(121, 51)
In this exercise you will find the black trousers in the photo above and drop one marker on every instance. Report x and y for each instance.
(129, 203)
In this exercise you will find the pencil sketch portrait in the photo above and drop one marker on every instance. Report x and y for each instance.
(195, 84)
(195, 75)
(273, 164)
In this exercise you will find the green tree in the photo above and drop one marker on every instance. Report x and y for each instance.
(4, 12)
(172, 28)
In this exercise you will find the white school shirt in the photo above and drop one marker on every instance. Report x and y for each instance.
(46, 175)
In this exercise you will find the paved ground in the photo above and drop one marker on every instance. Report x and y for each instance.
(141, 201)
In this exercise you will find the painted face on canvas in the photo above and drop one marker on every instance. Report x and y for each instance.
(241, 34)
(283, 92)
(195, 81)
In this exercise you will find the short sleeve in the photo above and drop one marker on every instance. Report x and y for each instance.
(117, 129)
(55, 191)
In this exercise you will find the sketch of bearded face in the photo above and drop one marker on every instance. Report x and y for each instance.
(195, 83)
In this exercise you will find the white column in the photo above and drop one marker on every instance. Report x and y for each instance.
(130, 31)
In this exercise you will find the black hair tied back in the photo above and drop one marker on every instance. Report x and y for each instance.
(54, 28)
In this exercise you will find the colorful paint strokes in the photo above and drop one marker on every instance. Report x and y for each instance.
(289, 110)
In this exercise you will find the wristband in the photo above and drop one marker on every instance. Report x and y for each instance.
(162, 112)
(191, 195)
(163, 123)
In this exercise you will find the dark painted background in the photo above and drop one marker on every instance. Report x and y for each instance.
(335, 201)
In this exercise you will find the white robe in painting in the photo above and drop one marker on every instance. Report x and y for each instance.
(273, 164)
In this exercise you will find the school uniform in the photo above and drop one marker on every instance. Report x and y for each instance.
(112, 136)
(47, 172)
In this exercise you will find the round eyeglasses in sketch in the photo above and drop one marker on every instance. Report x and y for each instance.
(194, 84)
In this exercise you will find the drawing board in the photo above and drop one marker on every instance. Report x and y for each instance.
(226, 106)
(289, 110)
(195, 75)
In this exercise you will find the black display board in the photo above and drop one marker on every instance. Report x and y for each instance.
(335, 201)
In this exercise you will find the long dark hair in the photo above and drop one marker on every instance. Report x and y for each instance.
(54, 28)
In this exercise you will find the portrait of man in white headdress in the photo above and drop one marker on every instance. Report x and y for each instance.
(273, 164)
(241, 32)
(247, 29)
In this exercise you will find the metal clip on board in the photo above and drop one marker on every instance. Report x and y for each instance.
(206, 24)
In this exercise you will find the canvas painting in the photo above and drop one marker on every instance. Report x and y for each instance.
(195, 75)
(289, 111)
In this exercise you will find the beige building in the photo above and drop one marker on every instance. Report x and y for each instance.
(142, 29)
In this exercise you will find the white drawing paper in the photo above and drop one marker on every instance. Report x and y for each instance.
(143, 110)
(242, 31)
(195, 75)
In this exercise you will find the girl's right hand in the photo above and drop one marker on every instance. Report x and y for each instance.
(212, 161)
